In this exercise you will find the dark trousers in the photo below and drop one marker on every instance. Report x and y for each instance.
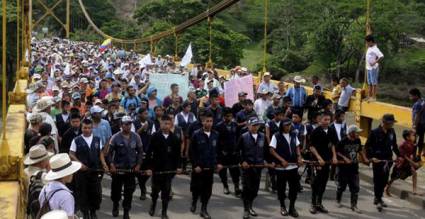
(142, 183)
(129, 182)
(88, 192)
(235, 172)
(420, 131)
(291, 178)
(381, 173)
(318, 185)
(272, 175)
(161, 183)
(201, 185)
(250, 184)
(351, 179)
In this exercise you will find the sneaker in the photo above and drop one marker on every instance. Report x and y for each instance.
(384, 204)
(246, 214)
(252, 212)
(355, 209)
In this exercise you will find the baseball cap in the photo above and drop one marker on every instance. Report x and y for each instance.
(242, 93)
(96, 109)
(76, 96)
(254, 121)
(126, 119)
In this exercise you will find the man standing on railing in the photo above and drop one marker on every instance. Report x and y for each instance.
(380, 145)
(126, 152)
(373, 57)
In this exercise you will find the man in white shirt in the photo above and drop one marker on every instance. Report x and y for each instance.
(346, 92)
(373, 57)
(261, 104)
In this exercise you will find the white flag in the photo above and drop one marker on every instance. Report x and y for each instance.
(147, 60)
(187, 58)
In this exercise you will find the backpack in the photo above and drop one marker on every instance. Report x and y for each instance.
(35, 186)
(46, 206)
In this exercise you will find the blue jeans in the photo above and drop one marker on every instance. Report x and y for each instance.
(372, 76)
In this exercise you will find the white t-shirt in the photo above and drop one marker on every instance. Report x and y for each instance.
(208, 134)
(88, 140)
(346, 93)
(373, 53)
(254, 136)
(260, 106)
(273, 144)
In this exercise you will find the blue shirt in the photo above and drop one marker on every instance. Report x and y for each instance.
(417, 106)
(297, 95)
(127, 100)
(102, 131)
(61, 200)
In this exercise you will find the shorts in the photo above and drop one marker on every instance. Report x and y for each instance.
(372, 76)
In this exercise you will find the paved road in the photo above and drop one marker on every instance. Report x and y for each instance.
(229, 207)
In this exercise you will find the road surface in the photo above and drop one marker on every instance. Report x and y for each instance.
(267, 206)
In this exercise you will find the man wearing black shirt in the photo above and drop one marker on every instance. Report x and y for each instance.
(380, 146)
(71, 133)
(163, 155)
(204, 160)
(314, 102)
(348, 171)
(228, 153)
(323, 149)
(239, 105)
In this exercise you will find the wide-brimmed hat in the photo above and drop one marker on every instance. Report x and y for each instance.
(265, 91)
(353, 128)
(299, 79)
(61, 166)
(266, 74)
(36, 154)
(55, 214)
(43, 104)
(388, 118)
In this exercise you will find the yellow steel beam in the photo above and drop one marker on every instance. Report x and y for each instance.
(49, 11)
(9, 197)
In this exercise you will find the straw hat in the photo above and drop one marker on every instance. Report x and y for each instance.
(299, 79)
(55, 214)
(61, 166)
(43, 104)
(36, 154)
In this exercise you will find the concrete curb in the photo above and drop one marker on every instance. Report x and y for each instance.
(398, 192)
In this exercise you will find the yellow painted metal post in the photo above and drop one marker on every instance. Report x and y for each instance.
(210, 62)
(68, 15)
(4, 147)
(266, 14)
(368, 32)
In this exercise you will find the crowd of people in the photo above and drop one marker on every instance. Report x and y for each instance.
(92, 113)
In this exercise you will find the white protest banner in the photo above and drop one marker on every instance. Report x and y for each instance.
(147, 60)
(234, 86)
(187, 58)
(162, 83)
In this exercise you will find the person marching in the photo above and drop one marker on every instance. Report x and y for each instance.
(86, 149)
(380, 145)
(323, 149)
(163, 155)
(253, 148)
(348, 172)
(285, 148)
(203, 157)
(126, 152)
(228, 153)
